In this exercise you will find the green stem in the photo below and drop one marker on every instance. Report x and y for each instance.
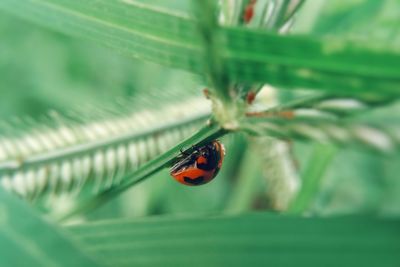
(208, 27)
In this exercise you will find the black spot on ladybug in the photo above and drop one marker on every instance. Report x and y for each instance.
(209, 166)
(212, 161)
(196, 181)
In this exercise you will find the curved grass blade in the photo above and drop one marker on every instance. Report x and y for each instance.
(143, 31)
(28, 240)
(330, 64)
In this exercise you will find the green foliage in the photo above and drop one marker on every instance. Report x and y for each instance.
(28, 240)
(254, 239)
(250, 56)
(304, 96)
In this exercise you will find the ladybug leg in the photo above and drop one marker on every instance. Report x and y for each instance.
(184, 153)
(192, 148)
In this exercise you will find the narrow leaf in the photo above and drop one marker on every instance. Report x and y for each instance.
(27, 240)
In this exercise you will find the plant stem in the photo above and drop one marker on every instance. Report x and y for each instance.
(206, 13)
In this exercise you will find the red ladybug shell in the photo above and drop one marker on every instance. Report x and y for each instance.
(201, 166)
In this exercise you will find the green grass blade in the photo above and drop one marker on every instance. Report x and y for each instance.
(27, 240)
(144, 32)
(299, 61)
(247, 240)
(167, 38)
(354, 18)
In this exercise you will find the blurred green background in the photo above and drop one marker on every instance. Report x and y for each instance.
(43, 70)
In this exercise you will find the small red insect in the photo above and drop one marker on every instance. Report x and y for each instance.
(201, 166)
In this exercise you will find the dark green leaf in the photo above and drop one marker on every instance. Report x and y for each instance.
(248, 240)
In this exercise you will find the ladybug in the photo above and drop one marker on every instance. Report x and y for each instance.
(200, 166)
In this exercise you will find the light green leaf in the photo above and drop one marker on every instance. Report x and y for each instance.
(143, 31)
(27, 240)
